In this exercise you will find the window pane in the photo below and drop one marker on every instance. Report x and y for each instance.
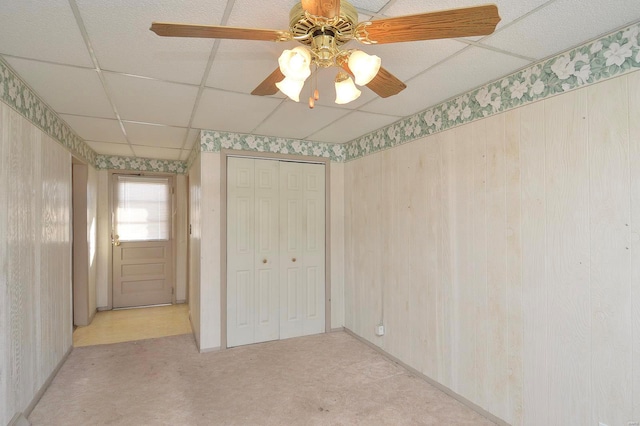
(143, 209)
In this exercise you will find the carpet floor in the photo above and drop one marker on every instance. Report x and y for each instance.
(326, 379)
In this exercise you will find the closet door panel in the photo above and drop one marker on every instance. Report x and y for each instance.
(267, 247)
(240, 252)
(313, 255)
(292, 291)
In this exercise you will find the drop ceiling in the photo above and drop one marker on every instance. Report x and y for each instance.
(128, 92)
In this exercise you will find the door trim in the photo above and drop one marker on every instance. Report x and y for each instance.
(224, 154)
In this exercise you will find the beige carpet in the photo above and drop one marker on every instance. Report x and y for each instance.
(326, 379)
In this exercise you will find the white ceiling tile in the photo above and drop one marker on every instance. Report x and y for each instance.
(155, 136)
(105, 148)
(556, 28)
(232, 112)
(157, 153)
(96, 129)
(405, 60)
(242, 65)
(370, 5)
(507, 9)
(194, 135)
(463, 72)
(352, 126)
(272, 15)
(66, 89)
(296, 120)
(152, 101)
(122, 41)
(44, 30)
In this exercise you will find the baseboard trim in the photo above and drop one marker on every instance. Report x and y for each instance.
(103, 308)
(19, 420)
(181, 302)
(336, 330)
(431, 381)
(207, 350)
(45, 386)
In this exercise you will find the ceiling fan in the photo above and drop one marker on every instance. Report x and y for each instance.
(323, 26)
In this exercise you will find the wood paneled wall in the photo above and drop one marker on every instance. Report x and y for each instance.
(195, 202)
(35, 260)
(503, 257)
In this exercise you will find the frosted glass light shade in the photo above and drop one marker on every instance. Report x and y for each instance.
(363, 66)
(291, 88)
(346, 91)
(295, 63)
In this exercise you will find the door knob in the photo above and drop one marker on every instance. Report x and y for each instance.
(293, 260)
(116, 240)
(264, 260)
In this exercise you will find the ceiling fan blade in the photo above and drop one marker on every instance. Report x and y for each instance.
(325, 8)
(167, 29)
(386, 84)
(470, 21)
(268, 86)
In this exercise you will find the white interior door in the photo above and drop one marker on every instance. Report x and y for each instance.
(302, 249)
(275, 250)
(142, 246)
(252, 251)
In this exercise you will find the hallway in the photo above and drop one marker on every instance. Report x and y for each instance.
(127, 325)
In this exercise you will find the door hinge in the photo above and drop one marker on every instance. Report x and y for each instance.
(189, 229)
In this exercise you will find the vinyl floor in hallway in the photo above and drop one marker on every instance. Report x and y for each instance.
(326, 379)
(134, 324)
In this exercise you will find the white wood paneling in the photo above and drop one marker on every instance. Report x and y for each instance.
(609, 198)
(195, 242)
(337, 232)
(479, 280)
(447, 249)
(210, 332)
(567, 258)
(497, 355)
(35, 260)
(521, 236)
(634, 162)
(514, 268)
(536, 321)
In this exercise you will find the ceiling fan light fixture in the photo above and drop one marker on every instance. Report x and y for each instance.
(363, 66)
(346, 91)
(291, 88)
(295, 63)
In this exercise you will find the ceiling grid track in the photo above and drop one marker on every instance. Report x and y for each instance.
(103, 81)
(207, 70)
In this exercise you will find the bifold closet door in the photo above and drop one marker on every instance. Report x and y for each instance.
(302, 249)
(275, 250)
(252, 251)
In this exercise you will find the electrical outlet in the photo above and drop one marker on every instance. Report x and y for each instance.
(634, 424)
(379, 330)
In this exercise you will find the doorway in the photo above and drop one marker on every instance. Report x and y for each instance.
(142, 243)
(275, 233)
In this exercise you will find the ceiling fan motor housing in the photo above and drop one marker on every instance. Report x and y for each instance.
(304, 27)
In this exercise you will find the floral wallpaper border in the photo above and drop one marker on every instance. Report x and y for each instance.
(610, 56)
(18, 95)
(214, 141)
(110, 162)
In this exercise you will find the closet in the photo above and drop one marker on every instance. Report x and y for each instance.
(275, 250)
